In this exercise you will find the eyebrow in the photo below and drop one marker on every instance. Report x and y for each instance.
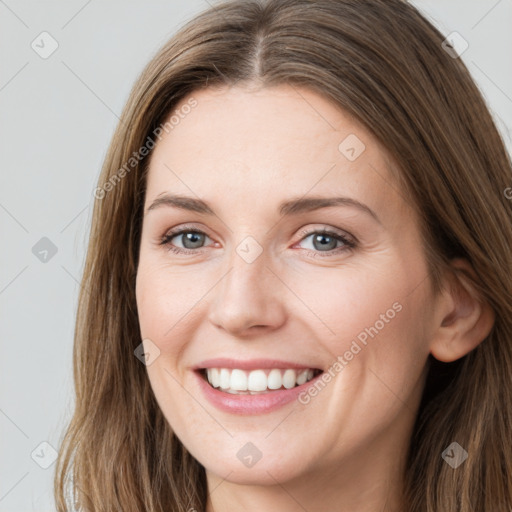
(290, 207)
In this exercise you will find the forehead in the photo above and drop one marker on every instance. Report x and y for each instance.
(269, 144)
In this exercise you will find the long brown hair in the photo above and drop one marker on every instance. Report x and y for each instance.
(384, 63)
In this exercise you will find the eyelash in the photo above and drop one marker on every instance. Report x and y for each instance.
(349, 244)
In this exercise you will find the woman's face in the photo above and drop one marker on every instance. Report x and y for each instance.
(259, 296)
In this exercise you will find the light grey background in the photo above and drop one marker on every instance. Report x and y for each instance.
(57, 116)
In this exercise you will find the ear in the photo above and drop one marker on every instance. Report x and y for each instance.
(463, 319)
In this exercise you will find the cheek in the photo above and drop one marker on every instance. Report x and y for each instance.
(166, 301)
(347, 302)
(373, 327)
(370, 321)
(163, 301)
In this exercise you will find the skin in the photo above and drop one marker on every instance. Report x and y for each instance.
(244, 151)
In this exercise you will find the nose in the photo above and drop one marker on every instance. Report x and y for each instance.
(248, 299)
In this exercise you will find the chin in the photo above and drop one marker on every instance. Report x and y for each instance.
(274, 467)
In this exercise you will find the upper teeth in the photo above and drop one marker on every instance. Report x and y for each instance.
(234, 380)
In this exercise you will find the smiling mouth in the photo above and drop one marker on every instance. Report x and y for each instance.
(255, 382)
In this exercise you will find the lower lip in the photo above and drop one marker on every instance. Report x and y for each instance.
(251, 404)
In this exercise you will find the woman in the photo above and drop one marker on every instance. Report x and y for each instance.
(297, 293)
